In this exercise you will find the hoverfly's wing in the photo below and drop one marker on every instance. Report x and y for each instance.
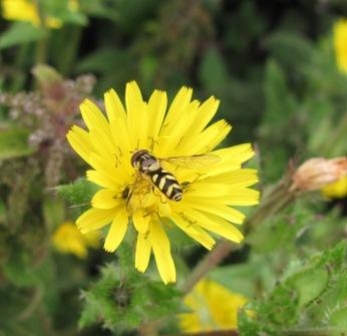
(193, 161)
(138, 192)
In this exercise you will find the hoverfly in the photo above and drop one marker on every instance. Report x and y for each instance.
(150, 167)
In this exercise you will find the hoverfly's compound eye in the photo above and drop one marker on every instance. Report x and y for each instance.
(138, 157)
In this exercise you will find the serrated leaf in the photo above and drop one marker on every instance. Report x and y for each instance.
(19, 33)
(14, 143)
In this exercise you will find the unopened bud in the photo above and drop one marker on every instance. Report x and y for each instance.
(317, 173)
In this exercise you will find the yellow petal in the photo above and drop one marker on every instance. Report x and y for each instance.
(114, 106)
(94, 118)
(103, 144)
(117, 230)
(143, 252)
(179, 104)
(201, 117)
(170, 143)
(118, 123)
(242, 197)
(109, 169)
(141, 221)
(207, 140)
(238, 178)
(193, 231)
(80, 142)
(120, 134)
(94, 219)
(231, 159)
(162, 253)
(206, 112)
(236, 197)
(215, 224)
(156, 112)
(215, 208)
(136, 115)
(221, 227)
(106, 199)
(101, 179)
(207, 189)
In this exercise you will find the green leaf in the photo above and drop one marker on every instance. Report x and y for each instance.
(291, 50)
(14, 143)
(339, 318)
(279, 101)
(309, 284)
(79, 192)
(213, 72)
(19, 33)
(76, 18)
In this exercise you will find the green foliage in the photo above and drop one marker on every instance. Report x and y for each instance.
(79, 193)
(301, 52)
(19, 33)
(213, 66)
(123, 299)
(303, 298)
(14, 143)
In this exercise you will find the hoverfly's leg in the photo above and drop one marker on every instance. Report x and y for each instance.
(187, 219)
(130, 194)
(153, 143)
(187, 184)
(118, 162)
(178, 144)
(120, 152)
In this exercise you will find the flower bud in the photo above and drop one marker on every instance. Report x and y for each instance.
(318, 172)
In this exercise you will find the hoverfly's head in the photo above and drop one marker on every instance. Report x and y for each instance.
(143, 161)
(136, 158)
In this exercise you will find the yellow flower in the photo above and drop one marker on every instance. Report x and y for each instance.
(213, 307)
(129, 197)
(337, 189)
(26, 10)
(68, 239)
(340, 44)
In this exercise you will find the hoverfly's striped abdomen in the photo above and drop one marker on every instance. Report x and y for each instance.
(167, 184)
(149, 165)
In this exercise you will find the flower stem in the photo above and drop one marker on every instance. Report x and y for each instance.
(212, 259)
(41, 47)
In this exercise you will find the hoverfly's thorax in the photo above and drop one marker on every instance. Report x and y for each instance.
(143, 161)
